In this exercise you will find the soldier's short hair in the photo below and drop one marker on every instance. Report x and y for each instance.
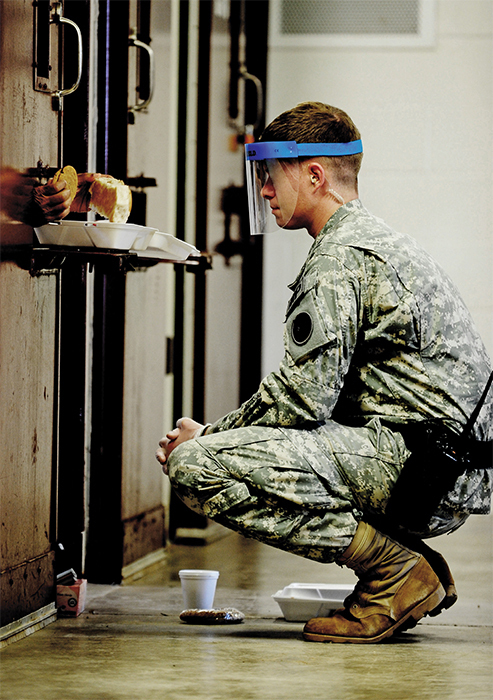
(316, 122)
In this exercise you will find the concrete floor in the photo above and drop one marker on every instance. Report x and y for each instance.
(129, 643)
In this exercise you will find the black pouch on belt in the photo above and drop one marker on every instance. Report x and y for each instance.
(438, 457)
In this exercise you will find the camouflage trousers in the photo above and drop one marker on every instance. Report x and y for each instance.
(303, 491)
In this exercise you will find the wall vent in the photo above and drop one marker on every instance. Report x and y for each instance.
(351, 23)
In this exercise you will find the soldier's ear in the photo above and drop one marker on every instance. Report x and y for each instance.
(316, 173)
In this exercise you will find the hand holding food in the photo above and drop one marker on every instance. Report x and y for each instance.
(81, 203)
(104, 194)
(50, 202)
(22, 198)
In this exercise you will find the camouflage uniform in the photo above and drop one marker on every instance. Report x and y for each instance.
(376, 335)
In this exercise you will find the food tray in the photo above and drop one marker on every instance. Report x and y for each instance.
(165, 246)
(105, 234)
(146, 241)
(99, 234)
(66, 233)
(300, 602)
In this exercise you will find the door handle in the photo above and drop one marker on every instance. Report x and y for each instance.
(133, 41)
(58, 18)
(45, 80)
(68, 91)
(246, 76)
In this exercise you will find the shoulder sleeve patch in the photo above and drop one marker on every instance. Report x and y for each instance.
(302, 328)
(306, 331)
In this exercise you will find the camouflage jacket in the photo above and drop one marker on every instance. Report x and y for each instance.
(374, 328)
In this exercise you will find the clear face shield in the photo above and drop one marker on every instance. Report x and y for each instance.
(273, 178)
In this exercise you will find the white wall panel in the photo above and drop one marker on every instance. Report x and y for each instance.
(426, 118)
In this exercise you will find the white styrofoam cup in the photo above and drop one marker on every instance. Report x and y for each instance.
(198, 587)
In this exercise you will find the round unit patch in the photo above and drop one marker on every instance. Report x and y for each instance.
(302, 328)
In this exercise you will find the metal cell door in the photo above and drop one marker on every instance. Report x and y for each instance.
(31, 97)
(126, 511)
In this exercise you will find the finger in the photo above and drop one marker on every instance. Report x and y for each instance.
(51, 195)
(53, 187)
(185, 423)
(170, 437)
(161, 456)
(163, 461)
(54, 212)
(57, 215)
(173, 434)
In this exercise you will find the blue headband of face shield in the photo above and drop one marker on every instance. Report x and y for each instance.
(264, 150)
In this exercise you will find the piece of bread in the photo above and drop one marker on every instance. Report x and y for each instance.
(69, 175)
(111, 198)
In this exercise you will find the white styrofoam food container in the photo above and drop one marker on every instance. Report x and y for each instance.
(99, 234)
(173, 248)
(144, 240)
(300, 602)
(67, 233)
(105, 234)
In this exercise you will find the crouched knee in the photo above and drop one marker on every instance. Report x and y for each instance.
(202, 482)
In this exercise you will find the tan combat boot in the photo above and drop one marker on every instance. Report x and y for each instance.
(434, 559)
(440, 567)
(396, 588)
